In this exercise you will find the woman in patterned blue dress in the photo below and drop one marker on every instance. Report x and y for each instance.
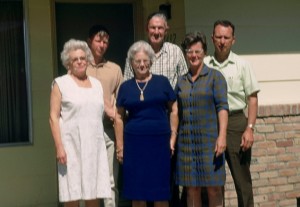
(149, 134)
(203, 116)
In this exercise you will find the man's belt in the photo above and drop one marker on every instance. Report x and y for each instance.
(233, 112)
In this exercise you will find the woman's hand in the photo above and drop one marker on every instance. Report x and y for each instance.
(61, 155)
(173, 142)
(120, 155)
(119, 132)
(220, 145)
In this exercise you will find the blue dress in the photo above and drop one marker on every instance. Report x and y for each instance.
(199, 102)
(146, 162)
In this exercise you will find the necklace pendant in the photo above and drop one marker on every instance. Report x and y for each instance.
(142, 97)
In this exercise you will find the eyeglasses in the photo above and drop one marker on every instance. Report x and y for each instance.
(78, 59)
(139, 62)
(197, 52)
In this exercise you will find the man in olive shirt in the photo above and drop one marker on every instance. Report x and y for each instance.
(242, 93)
(110, 76)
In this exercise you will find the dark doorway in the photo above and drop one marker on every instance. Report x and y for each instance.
(73, 20)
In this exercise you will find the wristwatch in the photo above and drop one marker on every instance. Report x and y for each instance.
(251, 126)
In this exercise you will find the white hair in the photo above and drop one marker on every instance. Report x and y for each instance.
(72, 45)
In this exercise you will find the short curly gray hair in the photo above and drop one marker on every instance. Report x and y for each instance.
(72, 45)
(138, 47)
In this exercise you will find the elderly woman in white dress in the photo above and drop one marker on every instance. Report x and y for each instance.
(76, 110)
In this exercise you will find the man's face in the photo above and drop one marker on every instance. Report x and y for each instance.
(223, 39)
(156, 30)
(99, 45)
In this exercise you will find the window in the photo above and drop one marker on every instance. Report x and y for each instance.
(15, 122)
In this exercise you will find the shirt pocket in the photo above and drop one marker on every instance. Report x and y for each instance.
(235, 83)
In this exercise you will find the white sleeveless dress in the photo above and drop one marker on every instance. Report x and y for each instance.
(86, 174)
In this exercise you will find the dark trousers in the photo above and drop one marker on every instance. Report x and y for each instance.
(239, 161)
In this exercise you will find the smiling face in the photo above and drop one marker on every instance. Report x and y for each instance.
(195, 55)
(77, 63)
(223, 40)
(141, 65)
(157, 30)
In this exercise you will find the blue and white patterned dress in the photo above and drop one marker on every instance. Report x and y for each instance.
(199, 103)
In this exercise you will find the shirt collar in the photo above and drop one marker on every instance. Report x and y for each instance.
(230, 59)
(162, 50)
(203, 72)
(99, 65)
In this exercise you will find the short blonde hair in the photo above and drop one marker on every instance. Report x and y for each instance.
(72, 45)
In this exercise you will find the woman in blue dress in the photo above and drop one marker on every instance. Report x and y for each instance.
(146, 141)
(203, 116)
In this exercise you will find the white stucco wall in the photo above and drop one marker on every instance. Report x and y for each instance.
(267, 34)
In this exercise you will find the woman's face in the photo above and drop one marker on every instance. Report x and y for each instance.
(141, 64)
(78, 63)
(195, 55)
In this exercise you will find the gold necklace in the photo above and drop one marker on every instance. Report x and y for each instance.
(142, 89)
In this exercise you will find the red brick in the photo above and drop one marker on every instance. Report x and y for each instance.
(260, 198)
(292, 119)
(288, 202)
(265, 128)
(276, 166)
(260, 121)
(292, 134)
(229, 186)
(267, 159)
(278, 181)
(276, 196)
(287, 172)
(230, 194)
(275, 151)
(260, 182)
(294, 179)
(294, 194)
(259, 137)
(297, 186)
(286, 157)
(259, 152)
(275, 135)
(268, 204)
(296, 126)
(258, 168)
(264, 145)
(295, 109)
(294, 149)
(286, 143)
(294, 164)
(231, 203)
(269, 174)
(284, 188)
(275, 158)
(297, 141)
(255, 175)
(266, 190)
(284, 127)
(273, 120)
